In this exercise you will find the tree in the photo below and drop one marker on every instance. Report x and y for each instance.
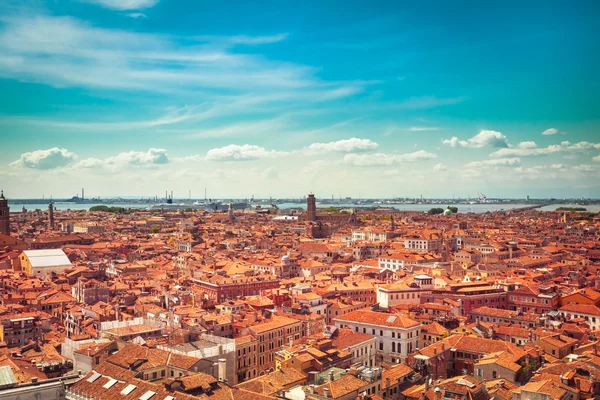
(435, 211)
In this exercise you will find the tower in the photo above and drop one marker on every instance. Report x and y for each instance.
(51, 215)
(230, 213)
(4, 215)
(311, 208)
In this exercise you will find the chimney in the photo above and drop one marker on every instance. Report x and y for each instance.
(331, 376)
(387, 387)
(222, 370)
(34, 379)
(326, 393)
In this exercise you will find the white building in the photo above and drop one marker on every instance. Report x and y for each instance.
(408, 292)
(43, 263)
(396, 335)
(589, 312)
(369, 236)
(87, 227)
(431, 242)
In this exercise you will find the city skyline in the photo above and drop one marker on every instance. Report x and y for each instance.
(129, 98)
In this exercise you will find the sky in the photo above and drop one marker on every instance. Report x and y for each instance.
(280, 98)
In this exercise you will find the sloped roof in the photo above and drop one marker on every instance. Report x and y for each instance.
(47, 258)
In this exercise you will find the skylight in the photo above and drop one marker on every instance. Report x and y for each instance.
(94, 377)
(147, 395)
(128, 389)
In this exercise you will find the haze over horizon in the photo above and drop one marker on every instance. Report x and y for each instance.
(135, 97)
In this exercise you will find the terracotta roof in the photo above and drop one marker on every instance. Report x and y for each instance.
(379, 318)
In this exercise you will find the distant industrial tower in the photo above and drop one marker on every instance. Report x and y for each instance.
(51, 215)
(4, 215)
(230, 213)
(311, 208)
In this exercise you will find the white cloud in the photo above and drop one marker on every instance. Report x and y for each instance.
(45, 159)
(382, 159)
(344, 146)
(563, 147)
(423, 128)
(139, 158)
(440, 168)
(124, 5)
(587, 168)
(527, 145)
(246, 152)
(254, 40)
(415, 103)
(499, 162)
(597, 159)
(484, 138)
(552, 131)
(89, 163)
(137, 15)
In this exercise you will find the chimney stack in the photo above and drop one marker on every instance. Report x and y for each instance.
(222, 370)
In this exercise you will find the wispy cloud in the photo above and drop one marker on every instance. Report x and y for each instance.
(123, 5)
(423, 128)
(428, 102)
(173, 115)
(64, 51)
(254, 40)
(525, 149)
(382, 159)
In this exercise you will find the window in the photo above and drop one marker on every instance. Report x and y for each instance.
(494, 375)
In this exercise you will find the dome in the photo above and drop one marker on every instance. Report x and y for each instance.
(447, 211)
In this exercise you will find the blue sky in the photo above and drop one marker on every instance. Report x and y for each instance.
(135, 97)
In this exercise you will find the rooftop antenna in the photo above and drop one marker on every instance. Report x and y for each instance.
(204, 194)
